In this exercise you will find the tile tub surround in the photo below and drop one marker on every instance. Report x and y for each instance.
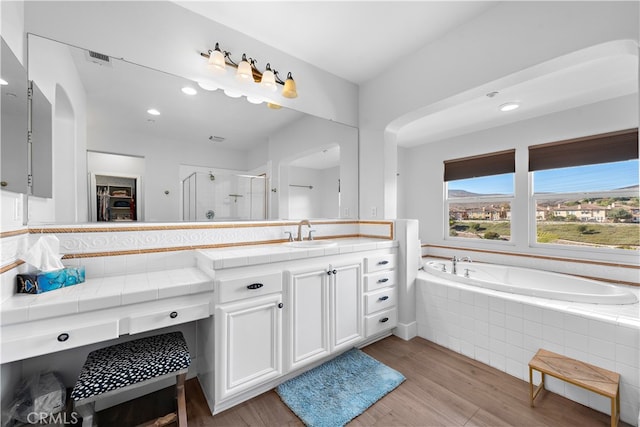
(505, 331)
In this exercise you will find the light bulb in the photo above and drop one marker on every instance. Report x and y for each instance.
(244, 73)
(289, 90)
(268, 80)
(217, 62)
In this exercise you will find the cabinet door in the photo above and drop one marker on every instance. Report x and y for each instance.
(249, 343)
(308, 326)
(346, 306)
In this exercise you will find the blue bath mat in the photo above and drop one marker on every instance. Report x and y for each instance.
(339, 390)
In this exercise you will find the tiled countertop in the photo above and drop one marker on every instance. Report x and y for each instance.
(105, 292)
(98, 293)
(251, 255)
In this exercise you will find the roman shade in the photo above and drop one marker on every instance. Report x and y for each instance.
(497, 163)
(589, 150)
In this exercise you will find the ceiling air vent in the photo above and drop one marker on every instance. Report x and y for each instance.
(214, 138)
(98, 58)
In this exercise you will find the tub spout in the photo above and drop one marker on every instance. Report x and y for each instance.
(455, 260)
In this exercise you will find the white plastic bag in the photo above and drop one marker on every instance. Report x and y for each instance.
(38, 397)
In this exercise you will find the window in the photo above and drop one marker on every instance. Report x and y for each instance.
(479, 192)
(585, 191)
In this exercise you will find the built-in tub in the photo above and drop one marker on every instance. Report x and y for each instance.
(504, 330)
(531, 282)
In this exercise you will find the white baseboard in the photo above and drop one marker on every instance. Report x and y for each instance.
(406, 331)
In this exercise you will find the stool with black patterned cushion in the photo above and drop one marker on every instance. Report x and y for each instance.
(130, 365)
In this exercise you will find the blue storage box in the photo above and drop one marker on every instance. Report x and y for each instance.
(46, 281)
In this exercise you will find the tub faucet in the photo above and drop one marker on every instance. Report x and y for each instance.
(454, 262)
(300, 224)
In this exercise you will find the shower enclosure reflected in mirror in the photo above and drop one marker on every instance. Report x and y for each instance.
(224, 197)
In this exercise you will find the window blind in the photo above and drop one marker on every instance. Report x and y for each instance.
(497, 163)
(589, 150)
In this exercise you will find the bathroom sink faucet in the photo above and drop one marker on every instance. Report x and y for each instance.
(455, 260)
(300, 224)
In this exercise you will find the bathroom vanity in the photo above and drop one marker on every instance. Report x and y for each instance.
(262, 313)
(281, 310)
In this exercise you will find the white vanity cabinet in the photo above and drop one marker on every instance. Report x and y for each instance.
(242, 344)
(324, 310)
(249, 334)
(380, 298)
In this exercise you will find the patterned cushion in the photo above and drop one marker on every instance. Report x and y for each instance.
(131, 362)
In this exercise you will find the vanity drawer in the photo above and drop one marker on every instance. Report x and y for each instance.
(168, 317)
(248, 287)
(379, 263)
(56, 340)
(380, 300)
(381, 321)
(380, 280)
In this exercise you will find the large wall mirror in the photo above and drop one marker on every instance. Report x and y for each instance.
(14, 122)
(155, 147)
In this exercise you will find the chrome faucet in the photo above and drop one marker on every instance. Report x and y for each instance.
(300, 224)
(454, 262)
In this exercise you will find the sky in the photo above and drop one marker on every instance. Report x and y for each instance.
(601, 177)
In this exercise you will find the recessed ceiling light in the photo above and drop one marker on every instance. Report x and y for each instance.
(3, 82)
(153, 112)
(188, 90)
(509, 106)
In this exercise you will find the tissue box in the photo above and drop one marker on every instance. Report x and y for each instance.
(37, 283)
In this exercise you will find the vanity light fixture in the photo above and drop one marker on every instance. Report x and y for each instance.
(509, 106)
(153, 112)
(246, 71)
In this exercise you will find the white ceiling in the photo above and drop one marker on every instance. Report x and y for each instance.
(355, 40)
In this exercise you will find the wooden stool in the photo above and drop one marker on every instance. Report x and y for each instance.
(130, 365)
(581, 374)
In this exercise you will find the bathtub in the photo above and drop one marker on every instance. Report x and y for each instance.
(505, 329)
(531, 282)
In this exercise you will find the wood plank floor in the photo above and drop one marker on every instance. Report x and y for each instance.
(443, 388)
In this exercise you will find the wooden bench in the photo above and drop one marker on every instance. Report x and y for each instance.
(130, 365)
(581, 374)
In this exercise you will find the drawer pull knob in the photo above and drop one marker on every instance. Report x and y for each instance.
(383, 298)
(384, 319)
(255, 286)
(173, 314)
(385, 262)
(63, 337)
(280, 305)
(385, 279)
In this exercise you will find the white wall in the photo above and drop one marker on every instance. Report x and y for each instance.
(423, 169)
(507, 38)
